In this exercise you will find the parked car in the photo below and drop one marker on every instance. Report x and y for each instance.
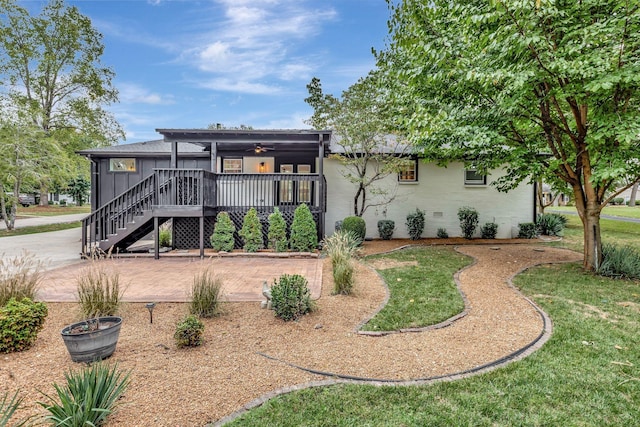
(27, 200)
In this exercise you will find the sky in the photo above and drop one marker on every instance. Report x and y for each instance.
(191, 63)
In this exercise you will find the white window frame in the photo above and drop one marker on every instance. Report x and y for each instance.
(122, 164)
(481, 181)
(413, 180)
(232, 165)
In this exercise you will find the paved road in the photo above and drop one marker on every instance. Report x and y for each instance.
(54, 249)
(44, 220)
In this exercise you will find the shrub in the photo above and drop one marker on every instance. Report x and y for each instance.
(205, 295)
(620, 262)
(489, 230)
(189, 332)
(415, 224)
(618, 201)
(164, 238)
(442, 233)
(88, 398)
(20, 277)
(551, 224)
(99, 292)
(304, 234)
(340, 247)
(527, 230)
(290, 297)
(468, 217)
(355, 225)
(277, 234)
(20, 322)
(222, 237)
(385, 228)
(251, 232)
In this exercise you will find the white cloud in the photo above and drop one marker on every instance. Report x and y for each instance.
(242, 86)
(135, 94)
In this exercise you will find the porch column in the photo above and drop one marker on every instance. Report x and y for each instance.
(214, 157)
(321, 184)
(174, 154)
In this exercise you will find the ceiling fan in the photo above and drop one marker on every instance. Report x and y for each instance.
(259, 148)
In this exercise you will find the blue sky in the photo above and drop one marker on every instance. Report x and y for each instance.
(188, 63)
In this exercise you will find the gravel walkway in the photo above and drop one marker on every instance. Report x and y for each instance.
(248, 353)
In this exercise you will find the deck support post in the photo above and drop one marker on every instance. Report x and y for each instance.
(156, 238)
(201, 237)
(321, 185)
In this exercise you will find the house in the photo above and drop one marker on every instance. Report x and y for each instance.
(192, 174)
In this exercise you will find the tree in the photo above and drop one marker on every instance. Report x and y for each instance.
(634, 192)
(251, 231)
(79, 188)
(546, 89)
(51, 74)
(304, 234)
(369, 154)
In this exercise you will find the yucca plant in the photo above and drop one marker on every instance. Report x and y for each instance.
(620, 262)
(88, 398)
(99, 292)
(20, 277)
(205, 294)
(8, 407)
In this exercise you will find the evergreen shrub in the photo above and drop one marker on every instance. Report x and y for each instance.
(355, 225)
(290, 297)
(277, 234)
(442, 233)
(304, 234)
(468, 217)
(489, 230)
(527, 230)
(415, 224)
(222, 237)
(189, 332)
(386, 228)
(20, 322)
(251, 231)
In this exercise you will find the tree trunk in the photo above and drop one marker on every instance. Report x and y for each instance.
(634, 192)
(592, 241)
(44, 197)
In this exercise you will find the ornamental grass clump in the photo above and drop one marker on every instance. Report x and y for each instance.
(206, 294)
(20, 277)
(189, 332)
(468, 217)
(222, 237)
(277, 234)
(291, 297)
(88, 398)
(304, 233)
(340, 247)
(20, 322)
(99, 292)
(251, 231)
(620, 262)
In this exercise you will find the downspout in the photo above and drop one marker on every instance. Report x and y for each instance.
(535, 202)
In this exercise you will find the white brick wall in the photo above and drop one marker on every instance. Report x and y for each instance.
(439, 192)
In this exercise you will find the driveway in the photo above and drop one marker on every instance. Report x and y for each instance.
(55, 249)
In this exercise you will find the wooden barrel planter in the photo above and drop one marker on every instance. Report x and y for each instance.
(92, 339)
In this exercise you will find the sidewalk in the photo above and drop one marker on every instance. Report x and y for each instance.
(44, 220)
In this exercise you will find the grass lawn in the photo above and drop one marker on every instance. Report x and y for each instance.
(422, 289)
(53, 210)
(39, 229)
(618, 232)
(623, 211)
(588, 374)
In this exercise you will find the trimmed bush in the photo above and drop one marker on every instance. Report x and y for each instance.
(20, 322)
(489, 230)
(189, 332)
(304, 234)
(355, 225)
(551, 224)
(442, 233)
(164, 235)
(99, 292)
(277, 234)
(205, 295)
(89, 397)
(222, 237)
(620, 262)
(468, 217)
(20, 277)
(618, 201)
(290, 297)
(251, 232)
(527, 230)
(385, 228)
(415, 224)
